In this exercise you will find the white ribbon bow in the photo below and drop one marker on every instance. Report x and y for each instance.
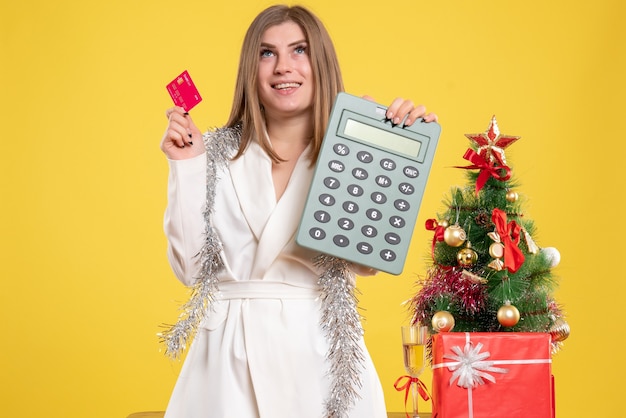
(470, 368)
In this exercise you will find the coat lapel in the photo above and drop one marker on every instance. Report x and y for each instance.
(273, 224)
(284, 220)
(252, 179)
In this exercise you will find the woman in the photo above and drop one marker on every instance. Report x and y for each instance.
(276, 330)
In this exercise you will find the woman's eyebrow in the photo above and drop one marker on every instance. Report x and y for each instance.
(268, 45)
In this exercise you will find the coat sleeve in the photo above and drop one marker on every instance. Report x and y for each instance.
(183, 221)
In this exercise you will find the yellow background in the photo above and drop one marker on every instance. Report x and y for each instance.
(85, 282)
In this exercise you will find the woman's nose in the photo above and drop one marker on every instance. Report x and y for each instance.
(282, 65)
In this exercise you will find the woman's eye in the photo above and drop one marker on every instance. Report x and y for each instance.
(266, 53)
(300, 50)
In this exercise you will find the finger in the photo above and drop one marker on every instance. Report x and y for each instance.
(367, 97)
(431, 117)
(187, 123)
(192, 130)
(181, 122)
(416, 113)
(173, 110)
(176, 137)
(402, 109)
(392, 110)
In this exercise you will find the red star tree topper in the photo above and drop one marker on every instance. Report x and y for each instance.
(491, 144)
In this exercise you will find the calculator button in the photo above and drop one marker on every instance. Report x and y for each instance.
(359, 173)
(364, 248)
(369, 231)
(387, 255)
(383, 181)
(401, 205)
(350, 207)
(378, 197)
(336, 166)
(345, 223)
(321, 216)
(392, 238)
(411, 172)
(317, 233)
(406, 188)
(374, 214)
(341, 240)
(364, 157)
(355, 190)
(397, 222)
(331, 182)
(341, 149)
(388, 164)
(326, 199)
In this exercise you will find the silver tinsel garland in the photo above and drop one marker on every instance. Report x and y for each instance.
(342, 325)
(220, 145)
(339, 320)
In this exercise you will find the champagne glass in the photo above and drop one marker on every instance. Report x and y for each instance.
(414, 338)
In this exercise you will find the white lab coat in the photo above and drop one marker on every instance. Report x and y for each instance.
(261, 353)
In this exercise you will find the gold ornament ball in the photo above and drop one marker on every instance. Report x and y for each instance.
(508, 315)
(512, 196)
(467, 257)
(559, 330)
(454, 236)
(442, 321)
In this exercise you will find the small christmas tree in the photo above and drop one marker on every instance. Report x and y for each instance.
(488, 274)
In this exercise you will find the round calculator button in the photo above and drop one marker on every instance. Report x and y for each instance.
(378, 197)
(369, 231)
(355, 190)
(321, 216)
(406, 188)
(401, 205)
(388, 164)
(397, 222)
(411, 172)
(373, 214)
(364, 248)
(364, 157)
(341, 240)
(326, 199)
(359, 173)
(392, 238)
(331, 183)
(350, 207)
(345, 223)
(317, 233)
(336, 166)
(387, 255)
(341, 149)
(383, 181)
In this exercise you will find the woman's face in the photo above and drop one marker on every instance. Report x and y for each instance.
(285, 80)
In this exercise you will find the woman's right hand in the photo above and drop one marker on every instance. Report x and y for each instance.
(182, 138)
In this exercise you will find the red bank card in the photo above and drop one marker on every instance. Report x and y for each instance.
(184, 93)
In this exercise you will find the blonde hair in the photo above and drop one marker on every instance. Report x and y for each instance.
(246, 109)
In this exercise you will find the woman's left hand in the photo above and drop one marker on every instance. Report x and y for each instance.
(401, 108)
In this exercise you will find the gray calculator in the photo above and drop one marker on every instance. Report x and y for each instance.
(368, 185)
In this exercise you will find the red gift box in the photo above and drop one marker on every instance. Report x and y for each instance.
(492, 375)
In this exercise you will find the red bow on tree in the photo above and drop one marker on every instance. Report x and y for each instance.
(509, 236)
(487, 169)
(433, 225)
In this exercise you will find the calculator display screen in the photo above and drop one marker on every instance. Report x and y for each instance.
(382, 138)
